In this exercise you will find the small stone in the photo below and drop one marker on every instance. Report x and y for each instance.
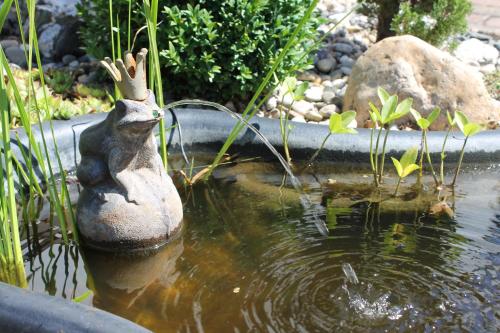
(85, 58)
(6, 43)
(326, 65)
(16, 55)
(68, 58)
(74, 65)
(313, 115)
(230, 105)
(308, 76)
(394, 128)
(328, 96)
(271, 103)
(346, 70)
(287, 100)
(327, 84)
(327, 110)
(313, 94)
(337, 74)
(343, 47)
(47, 40)
(49, 66)
(319, 105)
(299, 119)
(339, 83)
(302, 107)
(83, 79)
(346, 61)
(475, 50)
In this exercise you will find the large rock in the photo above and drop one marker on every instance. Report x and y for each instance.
(410, 67)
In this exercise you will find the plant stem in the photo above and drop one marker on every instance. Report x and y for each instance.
(375, 175)
(443, 156)
(459, 162)
(372, 163)
(316, 153)
(383, 157)
(429, 159)
(397, 187)
(421, 161)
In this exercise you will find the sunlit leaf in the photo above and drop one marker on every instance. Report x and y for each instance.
(388, 108)
(409, 157)
(300, 90)
(375, 111)
(461, 120)
(434, 115)
(405, 106)
(423, 123)
(383, 95)
(451, 121)
(415, 114)
(397, 165)
(409, 169)
(82, 297)
(290, 83)
(472, 129)
(348, 117)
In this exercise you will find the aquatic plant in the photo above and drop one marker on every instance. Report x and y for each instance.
(451, 124)
(468, 129)
(424, 124)
(406, 165)
(60, 81)
(390, 112)
(296, 92)
(338, 124)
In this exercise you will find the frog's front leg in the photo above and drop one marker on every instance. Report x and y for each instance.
(125, 178)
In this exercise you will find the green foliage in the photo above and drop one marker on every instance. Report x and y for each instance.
(431, 20)
(213, 49)
(339, 123)
(467, 127)
(425, 123)
(60, 81)
(406, 165)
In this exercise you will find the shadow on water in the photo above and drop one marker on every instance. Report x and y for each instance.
(246, 261)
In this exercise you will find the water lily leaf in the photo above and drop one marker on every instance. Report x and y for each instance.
(409, 157)
(383, 95)
(434, 115)
(472, 129)
(423, 123)
(397, 165)
(389, 108)
(409, 169)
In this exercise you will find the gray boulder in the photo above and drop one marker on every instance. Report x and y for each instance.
(410, 67)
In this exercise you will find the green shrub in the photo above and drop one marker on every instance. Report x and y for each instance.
(217, 49)
(431, 20)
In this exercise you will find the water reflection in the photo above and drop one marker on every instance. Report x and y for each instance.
(247, 259)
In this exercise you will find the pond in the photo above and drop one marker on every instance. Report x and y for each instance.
(249, 259)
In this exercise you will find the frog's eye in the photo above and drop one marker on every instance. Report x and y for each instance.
(156, 114)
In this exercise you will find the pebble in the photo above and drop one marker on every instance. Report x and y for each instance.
(346, 70)
(74, 65)
(476, 51)
(299, 119)
(16, 55)
(346, 61)
(68, 58)
(328, 96)
(271, 103)
(339, 83)
(326, 65)
(314, 93)
(302, 107)
(343, 47)
(313, 115)
(6, 43)
(327, 110)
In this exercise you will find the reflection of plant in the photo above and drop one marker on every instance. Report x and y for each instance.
(406, 165)
(296, 92)
(468, 129)
(424, 124)
(339, 124)
(390, 112)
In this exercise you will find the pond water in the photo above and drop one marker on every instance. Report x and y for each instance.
(248, 259)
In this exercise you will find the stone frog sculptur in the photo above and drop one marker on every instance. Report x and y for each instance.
(128, 200)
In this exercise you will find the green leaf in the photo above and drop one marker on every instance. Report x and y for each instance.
(409, 169)
(383, 95)
(389, 108)
(290, 83)
(451, 121)
(472, 129)
(376, 113)
(415, 115)
(405, 106)
(434, 115)
(300, 90)
(461, 121)
(397, 165)
(347, 117)
(82, 297)
(409, 157)
(423, 123)
(335, 124)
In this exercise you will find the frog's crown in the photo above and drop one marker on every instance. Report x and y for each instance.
(129, 76)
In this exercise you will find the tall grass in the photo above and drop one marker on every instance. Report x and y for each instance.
(155, 83)
(37, 150)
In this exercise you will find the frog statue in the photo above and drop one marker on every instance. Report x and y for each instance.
(128, 201)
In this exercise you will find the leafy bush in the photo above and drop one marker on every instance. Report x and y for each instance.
(216, 49)
(431, 20)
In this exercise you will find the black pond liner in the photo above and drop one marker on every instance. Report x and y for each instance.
(206, 130)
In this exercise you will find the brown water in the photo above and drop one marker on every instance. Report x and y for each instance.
(249, 260)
